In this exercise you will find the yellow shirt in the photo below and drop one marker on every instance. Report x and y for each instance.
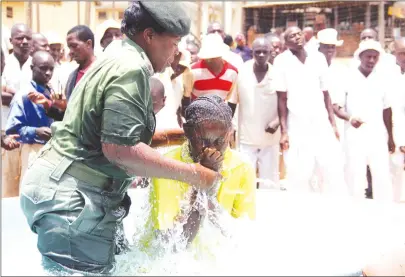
(236, 193)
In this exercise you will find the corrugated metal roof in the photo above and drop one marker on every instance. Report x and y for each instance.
(277, 3)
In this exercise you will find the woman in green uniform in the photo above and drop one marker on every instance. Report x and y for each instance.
(72, 194)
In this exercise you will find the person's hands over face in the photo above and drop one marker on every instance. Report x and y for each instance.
(212, 159)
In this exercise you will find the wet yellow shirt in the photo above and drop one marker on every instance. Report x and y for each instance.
(237, 193)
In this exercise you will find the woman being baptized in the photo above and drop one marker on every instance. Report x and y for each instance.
(180, 209)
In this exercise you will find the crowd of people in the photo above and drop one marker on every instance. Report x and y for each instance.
(77, 130)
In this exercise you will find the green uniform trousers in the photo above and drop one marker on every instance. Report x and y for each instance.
(74, 210)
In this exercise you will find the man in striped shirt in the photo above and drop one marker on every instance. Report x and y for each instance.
(211, 74)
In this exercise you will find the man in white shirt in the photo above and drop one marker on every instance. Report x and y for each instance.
(398, 117)
(328, 42)
(232, 58)
(18, 66)
(172, 79)
(229, 56)
(258, 122)
(5, 41)
(386, 60)
(308, 130)
(366, 108)
(17, 73)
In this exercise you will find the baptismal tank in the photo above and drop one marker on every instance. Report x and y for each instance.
(294, 234)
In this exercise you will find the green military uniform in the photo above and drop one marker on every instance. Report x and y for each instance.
(79, 191)
(72, 195)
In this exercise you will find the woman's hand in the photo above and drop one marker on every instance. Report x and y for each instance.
(212, 159)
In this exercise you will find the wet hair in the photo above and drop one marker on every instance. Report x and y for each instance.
(208, 108)
(137, 19)
(228, 40)
(83, 33)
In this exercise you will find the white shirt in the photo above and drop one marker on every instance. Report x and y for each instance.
(5, 40)
(234, 59)
(60, 76)
(257, 107)
(167, 117)
(13, 76)
(366, 98)
(336, 80)
(312, 45)
(303, 82)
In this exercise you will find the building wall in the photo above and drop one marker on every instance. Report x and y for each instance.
(60, 16)
(65, 15)
(18, 15)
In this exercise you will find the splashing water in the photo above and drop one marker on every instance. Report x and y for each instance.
(245, 248)
(306, 235)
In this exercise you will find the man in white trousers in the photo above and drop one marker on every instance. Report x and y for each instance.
(258, 123)
(309, 135)
(366, 108)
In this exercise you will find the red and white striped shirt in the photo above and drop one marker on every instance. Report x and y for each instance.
(201, 81)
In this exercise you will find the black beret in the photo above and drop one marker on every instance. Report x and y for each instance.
(169, 15)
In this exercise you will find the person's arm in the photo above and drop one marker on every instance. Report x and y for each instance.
(280, 86)
(331, 113)
(234, 97)
(18, 123)
(185, 102)
(324, 85)
(329, 108)
(282, 110)
(7, 95)
(9, 143)
(168, 137)
(389, 101)
(124, 134)
(387, 115)
(193, 223)
(188, 84)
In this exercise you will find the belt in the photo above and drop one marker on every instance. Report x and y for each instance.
(75, 169)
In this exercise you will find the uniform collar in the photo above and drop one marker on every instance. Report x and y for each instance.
(148, 65)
